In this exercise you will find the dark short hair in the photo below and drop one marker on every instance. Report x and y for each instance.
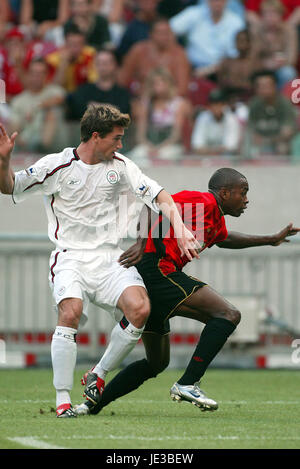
(263, 73)
(102, 118)
(225, 177)
(244, 31)
(217, 95)
(73, 29)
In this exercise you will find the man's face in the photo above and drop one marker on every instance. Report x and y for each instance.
(106, 64)
(237, 201)
(37, 76)
(217, 6)
(148, 6)
(162, 34)
(108, 145)
(80, 7)
(265, 87)
(75, 44)
(242, 42)
(217, 109)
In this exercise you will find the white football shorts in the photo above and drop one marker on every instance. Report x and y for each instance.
(94, 277)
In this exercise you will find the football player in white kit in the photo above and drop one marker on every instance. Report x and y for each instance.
(88, 195)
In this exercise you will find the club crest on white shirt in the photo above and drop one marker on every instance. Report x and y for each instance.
(112, 176)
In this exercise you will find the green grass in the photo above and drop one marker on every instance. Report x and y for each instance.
(257, 409)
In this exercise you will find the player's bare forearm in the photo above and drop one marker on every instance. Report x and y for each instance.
(237, 240)
(240, 241)
(186, 242)
(6, 173)
(7, 178)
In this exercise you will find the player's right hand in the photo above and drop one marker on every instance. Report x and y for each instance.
(133, 255)
(281, 236)
(6, 143)
(188, 244)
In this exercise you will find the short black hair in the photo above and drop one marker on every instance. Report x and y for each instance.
(218, 95)
(263, 73)
(73, 29)
(225, 177)
(244, 31)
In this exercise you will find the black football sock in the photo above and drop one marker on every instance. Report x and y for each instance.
(213, 337)
(127, 380)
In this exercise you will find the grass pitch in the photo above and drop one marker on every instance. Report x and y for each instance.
(257, 409)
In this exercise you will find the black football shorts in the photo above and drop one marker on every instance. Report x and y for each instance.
(166, 292)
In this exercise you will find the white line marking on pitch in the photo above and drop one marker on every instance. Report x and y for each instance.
(34, 442)
(175, 438)
(150, 401)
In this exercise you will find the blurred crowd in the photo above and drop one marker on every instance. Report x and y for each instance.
(200, 78)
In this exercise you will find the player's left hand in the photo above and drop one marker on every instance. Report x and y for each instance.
(188, 244)
(133, 255)
(281, 236)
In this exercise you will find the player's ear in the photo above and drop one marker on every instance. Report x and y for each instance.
(224, 193)
(95, 135)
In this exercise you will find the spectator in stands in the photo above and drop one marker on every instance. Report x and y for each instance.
(93, 26)
(236, 72)
(139, 28)
(272, 119)
(169, 8)
(236, 6)
(276, 42)
(160, 50)
(104, 90)
(73, 64)
(291, 10)
(37, 112)
(42, 16)
(159, 126)
(113, 11)
(209, 31)
(5, 14)
(12, 66)
(217, 131)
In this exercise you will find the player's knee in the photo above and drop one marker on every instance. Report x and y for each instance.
(68, 316)
(233, 315)
(138, 312)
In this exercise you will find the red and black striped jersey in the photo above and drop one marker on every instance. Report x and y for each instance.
(201, 215)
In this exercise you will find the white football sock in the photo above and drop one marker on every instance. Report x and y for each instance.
(63, 354)
(122, 341)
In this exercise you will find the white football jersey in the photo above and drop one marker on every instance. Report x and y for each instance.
(88, 206)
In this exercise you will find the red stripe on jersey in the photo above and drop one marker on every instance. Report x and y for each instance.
(120, 159)
(57, 223)
(54, 171)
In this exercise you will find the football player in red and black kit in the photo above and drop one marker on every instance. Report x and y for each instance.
(174, 293)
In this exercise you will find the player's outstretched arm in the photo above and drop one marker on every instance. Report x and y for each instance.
(237, 240)
(6, 173)
(187, 243)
